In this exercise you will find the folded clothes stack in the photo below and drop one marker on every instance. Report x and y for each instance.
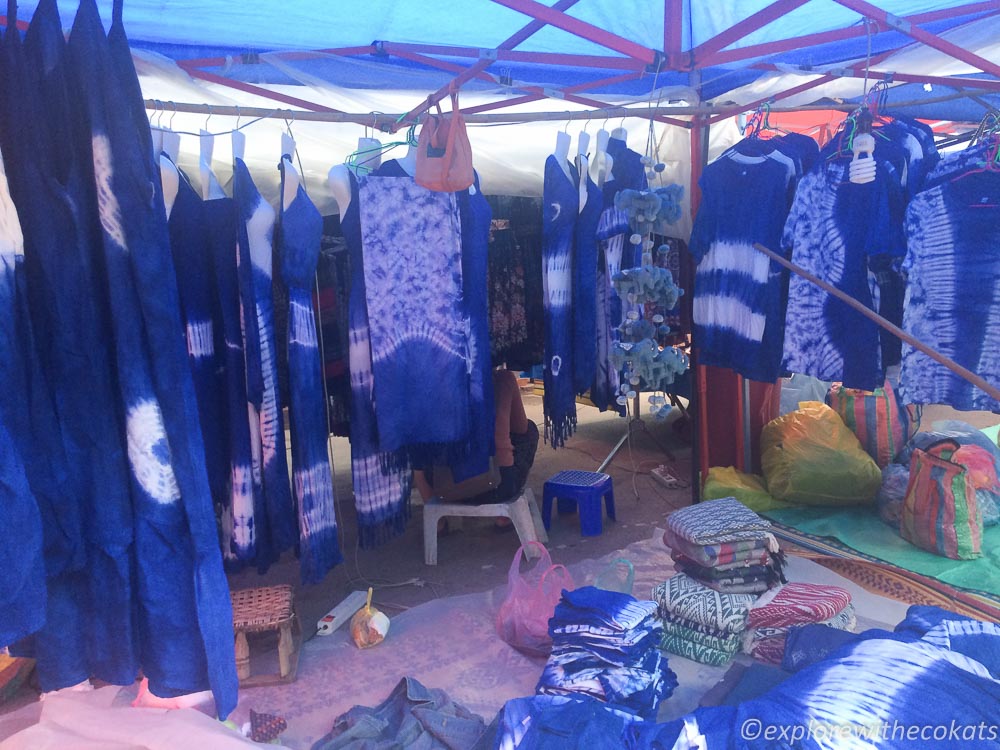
(700, 623)
(793, 605)
(725, 546)
(604, 645)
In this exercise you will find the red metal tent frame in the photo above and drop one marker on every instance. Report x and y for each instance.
(628, 60)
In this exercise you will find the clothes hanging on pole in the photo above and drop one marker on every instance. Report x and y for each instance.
(331, 299)
(412, 250)
(300, 232)
(189, 245)
(953, 290)
(381, 486)
(561, 200)
(275, 527)
(184, 612)
(242, 495)
(90, 626)
(471, 457)
(516, 317)
(585, 276)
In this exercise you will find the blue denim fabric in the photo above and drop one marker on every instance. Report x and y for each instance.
(412, 717)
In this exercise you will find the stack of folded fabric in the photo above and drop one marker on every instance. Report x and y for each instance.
(700, 623)
(605, 645)
(792, 605)
(725, 546)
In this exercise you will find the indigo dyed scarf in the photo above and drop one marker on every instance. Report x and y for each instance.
(300, 234)
(561, 203)
(239, 541)
(276, 529)
(184, 612)
(381, 485)
(189, 244)
(411, 242)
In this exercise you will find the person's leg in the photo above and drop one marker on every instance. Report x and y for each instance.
(525, 446)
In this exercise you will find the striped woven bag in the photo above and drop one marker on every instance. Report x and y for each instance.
(875, 417)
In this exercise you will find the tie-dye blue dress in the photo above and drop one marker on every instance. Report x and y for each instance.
(300, 232)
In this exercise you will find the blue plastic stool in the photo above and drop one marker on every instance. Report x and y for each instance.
(585, 488)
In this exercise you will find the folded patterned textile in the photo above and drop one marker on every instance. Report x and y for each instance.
(604, 645)
(697, 627)
(750, 587)
(720, 642)
(798, 604)
(696, 651)
(608, 610)
(686, 598)
(713, 555)
(718, 521)
(747, 570)
(767, 644)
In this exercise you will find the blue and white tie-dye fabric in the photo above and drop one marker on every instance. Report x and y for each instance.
(585, 277)
(953, 292)
(189, 245)
(843, 233)
(300, 234)
(275, 526)
(184, 612)
(23, 592)
(381, 485)
(411, 241)
(739, 303)
(560, 206)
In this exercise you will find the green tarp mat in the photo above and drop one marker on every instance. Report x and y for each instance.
(862, 530)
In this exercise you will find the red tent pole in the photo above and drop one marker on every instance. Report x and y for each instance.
(699, 128)
(673, 25)
(811, 40)
(925, 37)
(257, 90)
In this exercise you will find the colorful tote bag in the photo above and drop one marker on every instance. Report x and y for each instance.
(877, 419)
(940, 512)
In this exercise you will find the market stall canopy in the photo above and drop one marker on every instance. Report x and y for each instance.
(512, 58)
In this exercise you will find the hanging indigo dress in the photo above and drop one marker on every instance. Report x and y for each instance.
(189, 245)
(381, 486)
(276, 529)
(585, 282)
(22, 585)
(560, 206)
(473, 456)
(300, 235)
(90, 628)
(239, 542)
(412, 255)
(185, 628)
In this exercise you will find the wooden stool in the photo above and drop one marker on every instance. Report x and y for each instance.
(522, 511)
(261, 610)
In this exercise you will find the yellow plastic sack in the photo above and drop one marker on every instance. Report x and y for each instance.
(749, 489)
(810, 456)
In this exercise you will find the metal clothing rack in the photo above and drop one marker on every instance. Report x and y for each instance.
(635, 424)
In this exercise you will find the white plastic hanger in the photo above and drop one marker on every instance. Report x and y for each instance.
(239, 139)
(210, 187)
(292, 179)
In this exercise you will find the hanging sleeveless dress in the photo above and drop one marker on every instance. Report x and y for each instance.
(585, 282)
(473, 456)
(561, 202)
(299, 237)
(242, 495)
(276, 528)
(185, 625)
(381, 486)
(189, 246)
(22, 585)
(90, 626)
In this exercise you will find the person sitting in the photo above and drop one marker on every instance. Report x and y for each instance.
(516, 443)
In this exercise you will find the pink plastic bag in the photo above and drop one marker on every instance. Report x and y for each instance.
(523, 617)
